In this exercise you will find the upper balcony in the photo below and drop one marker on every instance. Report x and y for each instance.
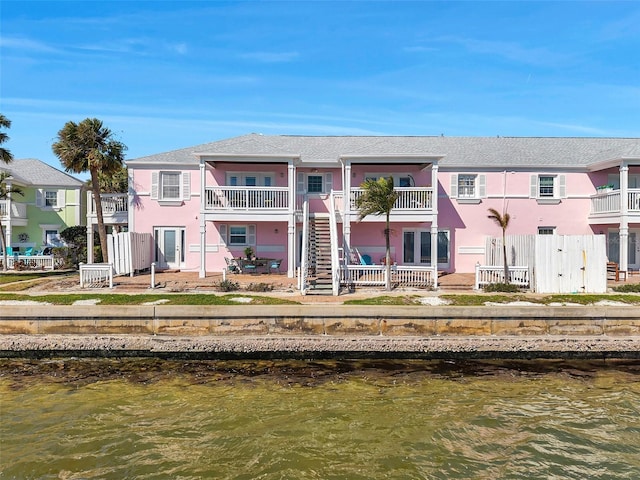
(115, 208)
(246, 200)
(606, 206)
(413, 204)
(15, 211)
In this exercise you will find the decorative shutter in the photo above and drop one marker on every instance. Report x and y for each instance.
(482, 186)
(154, 185)
(251, 234)
(454, 186)
(186, 185)
(562, 186)
(61, 198)
(300, 186)
(39, 198)
(533, 193)
(328, 182)
(223, 234)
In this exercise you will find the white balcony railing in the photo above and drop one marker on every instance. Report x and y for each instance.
(488, 274)
(246, 198)
(112, 204)
(409, 198)
(609, 202)
(18, 210)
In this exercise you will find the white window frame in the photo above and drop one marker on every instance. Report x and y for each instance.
(416, 235)
(157, 186)
(303, 182)
(479, 189)
(51, 228)
(249, 235)
(58, 197)
(546, 230)
(558, 188)
(239, 179)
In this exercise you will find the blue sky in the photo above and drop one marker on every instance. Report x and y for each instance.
(164, 75)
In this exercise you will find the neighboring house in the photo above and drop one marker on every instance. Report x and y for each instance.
(52, 201)
(210, 201)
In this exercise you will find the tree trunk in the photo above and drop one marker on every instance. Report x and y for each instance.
(102, 231)
(504, 253)
(387, 235)
(4, 249)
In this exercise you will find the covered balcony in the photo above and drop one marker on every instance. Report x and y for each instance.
(14, 211)
(115, 208)
(246, 200)
(414, 203)
(607, 206)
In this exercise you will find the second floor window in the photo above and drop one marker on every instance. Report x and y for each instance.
(170, 182)
(314, 183)
(466, 186)
(50, 198)
(546, 184)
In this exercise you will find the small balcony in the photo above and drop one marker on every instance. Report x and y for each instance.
(607, 205)
(12, 210)
(115, 208)
(246, 199)
(413, 203)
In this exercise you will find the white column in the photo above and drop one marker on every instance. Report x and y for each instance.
(90, 243)
(346, 213)
(203, 223)
(624, 216)
(7, 227)
(291, 224)
(434, 223)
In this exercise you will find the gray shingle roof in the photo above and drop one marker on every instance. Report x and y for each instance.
(492, 152)
(34, 172)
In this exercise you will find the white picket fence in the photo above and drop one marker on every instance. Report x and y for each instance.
(401, 275)
(487, 275)
(30, 262)
(96, 275)
(129, 252)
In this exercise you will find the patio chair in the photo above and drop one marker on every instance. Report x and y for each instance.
(29, 251)
(275, 265)
(232, 265)
(366, 259)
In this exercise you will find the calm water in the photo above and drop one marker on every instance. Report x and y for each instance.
(109, 419)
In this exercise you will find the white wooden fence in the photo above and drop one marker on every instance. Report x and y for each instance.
(96, 275)
(556, 263)
(129, 252)
(30, 262)
(486, 275)
(401, 275)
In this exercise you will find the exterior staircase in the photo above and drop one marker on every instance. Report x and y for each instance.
(319, 276)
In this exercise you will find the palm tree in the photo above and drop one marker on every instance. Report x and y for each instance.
(378, 198)
(502, 220)
(5, 194)
(89, 146)
(5, 155)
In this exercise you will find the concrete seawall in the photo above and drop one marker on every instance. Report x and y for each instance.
(320, 331)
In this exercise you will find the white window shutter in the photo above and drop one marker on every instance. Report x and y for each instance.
(154, 185)
(562, 186)
(534, 186)
(454, 186)
(251, 234)
(300, 186)
(223, 233)
(328, 182)
(186, 185)
(482, 186)
(61, 197)
(39, 198)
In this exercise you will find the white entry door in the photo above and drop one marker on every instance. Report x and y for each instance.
(169, 247)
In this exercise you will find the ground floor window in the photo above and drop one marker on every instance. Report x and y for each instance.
(633, 250)
(416, 247)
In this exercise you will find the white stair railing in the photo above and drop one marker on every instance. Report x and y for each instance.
(304, 257)
(335, 252)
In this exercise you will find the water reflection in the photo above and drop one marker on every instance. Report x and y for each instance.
(323, 419)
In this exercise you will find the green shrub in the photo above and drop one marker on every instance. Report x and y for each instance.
(259, 287)
(228, 286)
(628, 288)
(501, 287)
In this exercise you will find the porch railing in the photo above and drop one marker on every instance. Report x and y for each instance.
(609, 202)
(409, 198)
(401, 275)
(29, 262)
(486, 275)
(94, 275)
(18, 210)
(246, 198)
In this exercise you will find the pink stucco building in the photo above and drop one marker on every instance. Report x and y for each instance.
(277, 194)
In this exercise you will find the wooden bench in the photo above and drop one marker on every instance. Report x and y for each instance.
(614, 272)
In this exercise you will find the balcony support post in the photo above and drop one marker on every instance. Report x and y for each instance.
(203, 224)
(624, 216)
